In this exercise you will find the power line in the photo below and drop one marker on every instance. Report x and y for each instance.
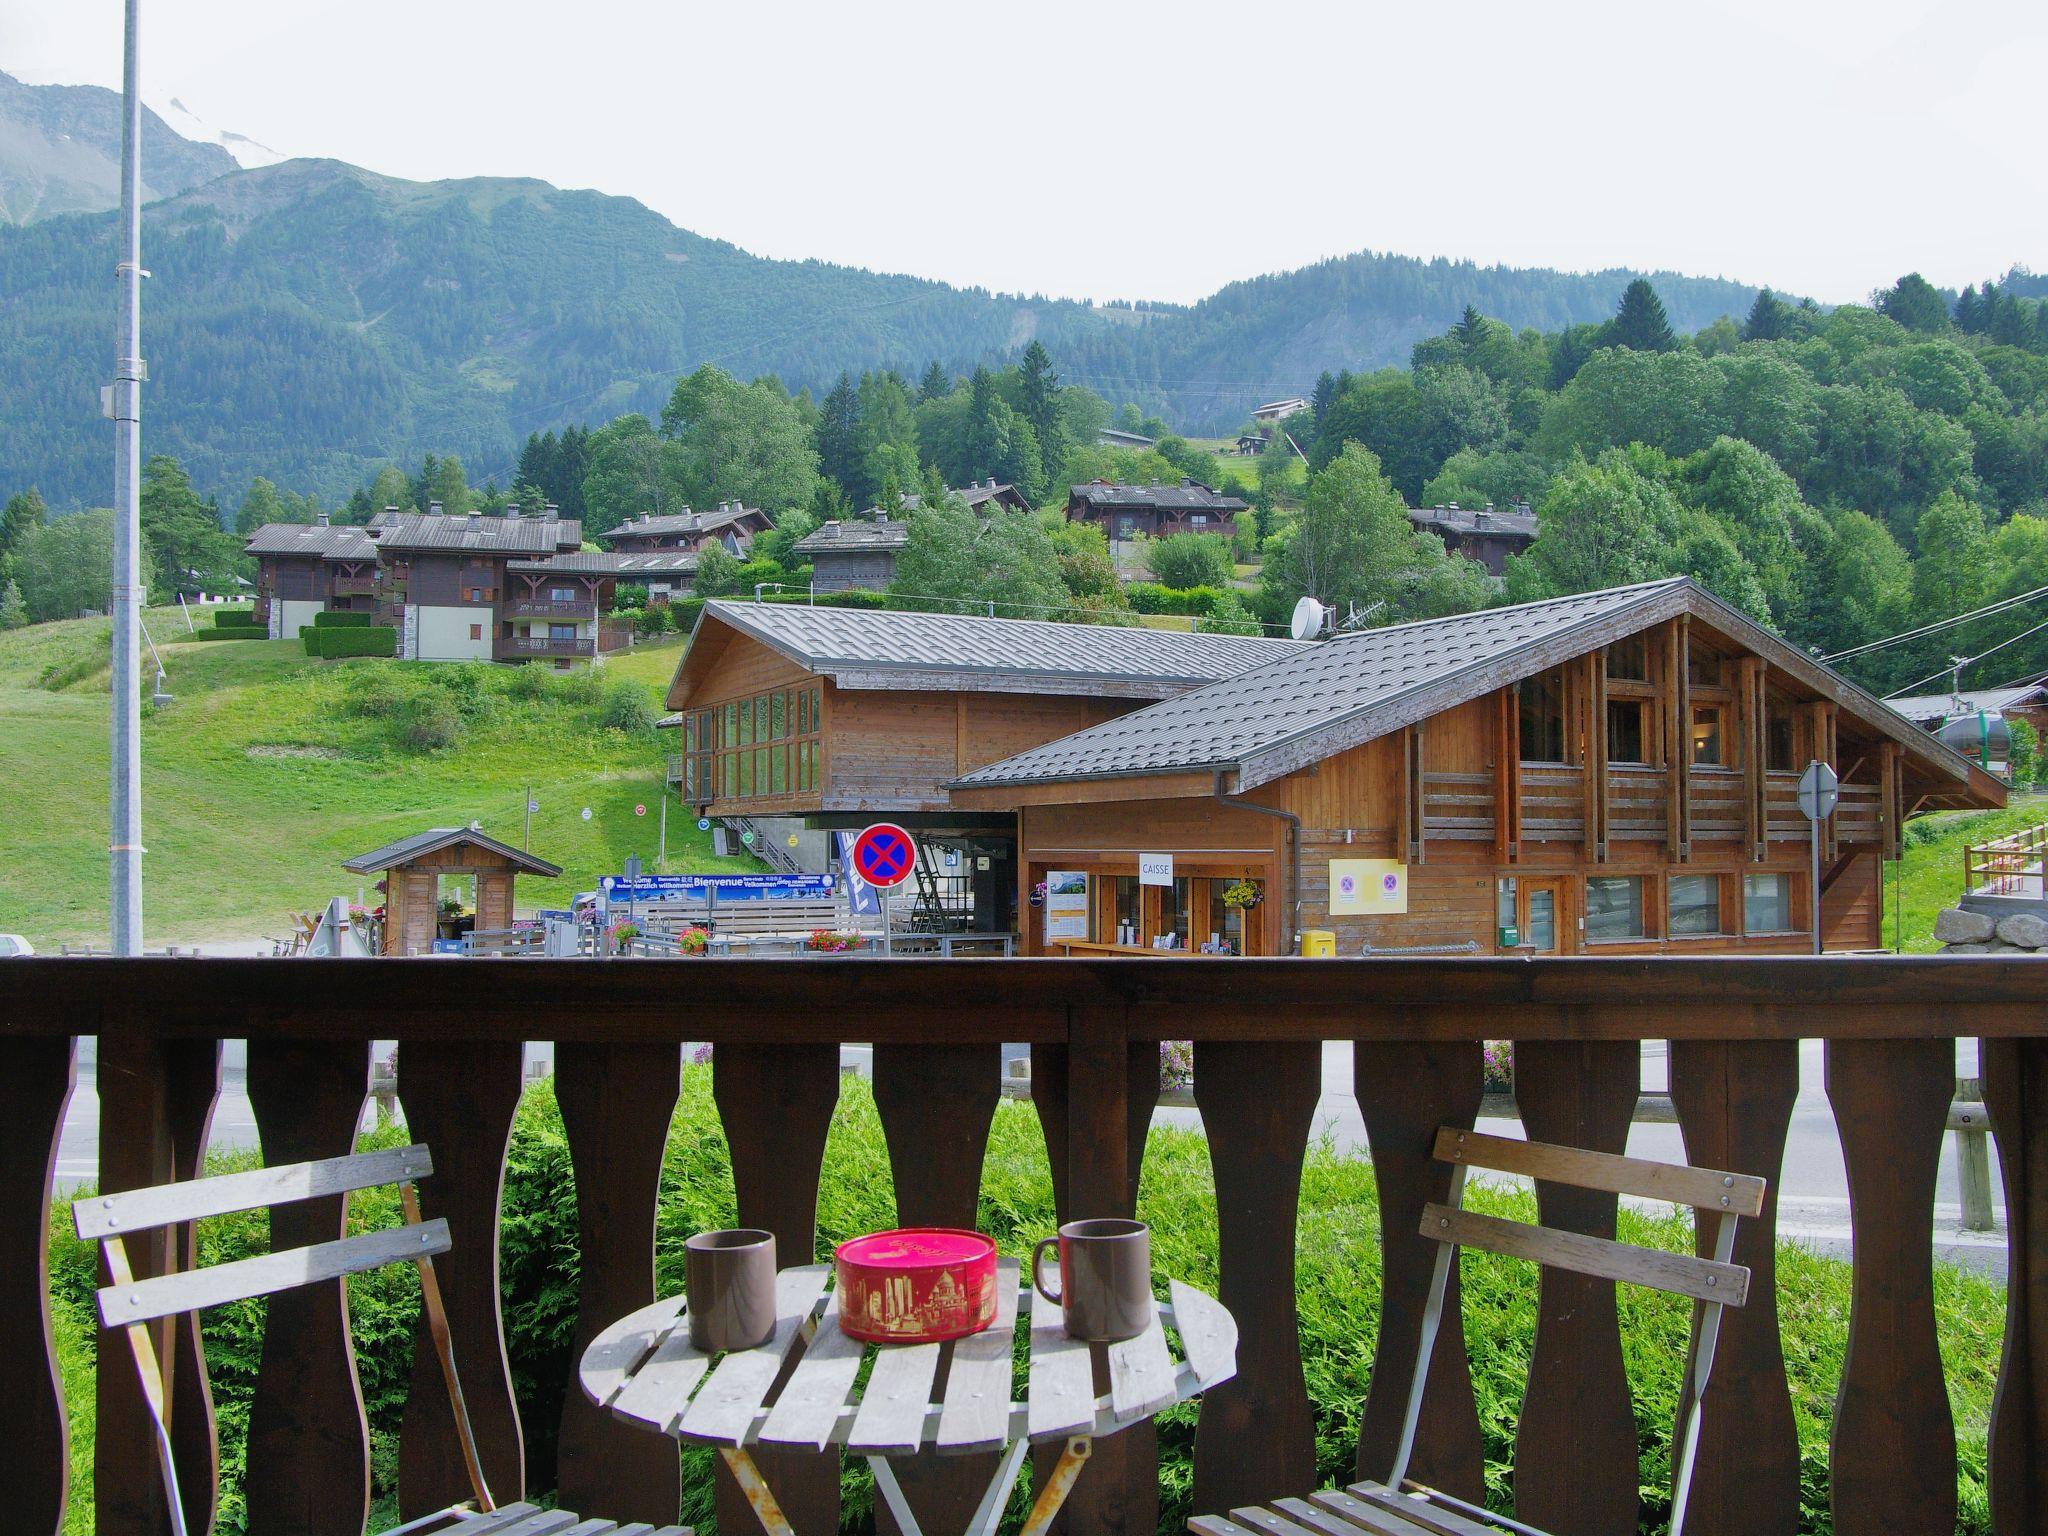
(1939, 625)
(1957, 664)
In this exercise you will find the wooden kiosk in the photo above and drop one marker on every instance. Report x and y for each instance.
(412, 869)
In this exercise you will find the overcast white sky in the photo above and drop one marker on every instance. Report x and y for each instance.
(1159, 150)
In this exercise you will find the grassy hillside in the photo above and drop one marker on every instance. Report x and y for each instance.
(269, 769)
(1933, 873)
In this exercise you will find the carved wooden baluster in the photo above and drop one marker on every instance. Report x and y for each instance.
(776, 1103)
(459, 1098)
(1892, 1461)
(1256, 1436)
(1575, 1450)
(1734, 1103)
(617, 1102)
(36, 1077)
(1406, 1090)
(156, 1101)
(936, 1104)
(309, 1444)
(1115, 1082)
(2016, 1089)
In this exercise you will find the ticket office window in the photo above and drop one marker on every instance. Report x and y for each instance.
(1191, 909)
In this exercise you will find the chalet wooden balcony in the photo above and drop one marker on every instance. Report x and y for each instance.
(584, 609)
(1890, 1027)
(355, 586)
(539, 647)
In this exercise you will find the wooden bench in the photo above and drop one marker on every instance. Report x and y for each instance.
(129, 1306)
(1401, 1506)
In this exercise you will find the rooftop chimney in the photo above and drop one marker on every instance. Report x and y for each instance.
(552, 510)
(433, 509)
(1451, 506)
(831, 528)
(320, 518)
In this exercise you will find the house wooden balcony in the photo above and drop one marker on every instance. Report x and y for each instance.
(583, 610)
(355, 586)
(541, 647)
(1890, 1027)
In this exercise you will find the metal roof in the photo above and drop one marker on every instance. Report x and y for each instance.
(1516, 521)
(312, 540)
(853, 535)
(1189, 495)
(684, 521)
(484, 534)
(674, 562)
(871, 648)
(1928, 708)
(406, 849)
(1269, 722)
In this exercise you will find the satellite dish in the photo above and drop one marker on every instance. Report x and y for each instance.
(1310, 619)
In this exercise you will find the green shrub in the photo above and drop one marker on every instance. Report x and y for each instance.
(236, 618)
(1190, 560)
(430, 723)
(1151, 597)
(229, 632)
(375, 692)
(650, 621)
(579, 685)
(332, 642)
(335, 618)
(627, 708)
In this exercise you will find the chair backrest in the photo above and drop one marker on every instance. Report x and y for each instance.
(1713, 1284)
(131, 1305)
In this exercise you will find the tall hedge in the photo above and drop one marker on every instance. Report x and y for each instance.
(235, 618)
(335, 618)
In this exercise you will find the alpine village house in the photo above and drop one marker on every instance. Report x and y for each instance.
(1611, 773)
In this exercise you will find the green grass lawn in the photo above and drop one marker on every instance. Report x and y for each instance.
(270, 768)
(1933, 866)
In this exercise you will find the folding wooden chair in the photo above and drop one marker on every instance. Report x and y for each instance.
(130, 1305)
(1403, 1507)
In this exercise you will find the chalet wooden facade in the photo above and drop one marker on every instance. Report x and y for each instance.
(1154, 510)
(1614, 773)
(412, 869)
(305, 569)
(846, 716)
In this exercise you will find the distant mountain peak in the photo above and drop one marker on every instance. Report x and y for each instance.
(60, 152)
(248, 152)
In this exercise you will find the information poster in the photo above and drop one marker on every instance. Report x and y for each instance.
(1066, 905)
(1368, 887)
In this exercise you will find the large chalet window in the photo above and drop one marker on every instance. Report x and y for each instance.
(1627, 740)
(766, 745)
(1709, 738)
(1767, 904)
(1614, 908)
(1781, 740)
(1629, 660)
(1693, 905)
(1541, 705)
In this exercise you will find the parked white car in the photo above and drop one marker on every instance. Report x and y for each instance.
(13, 944)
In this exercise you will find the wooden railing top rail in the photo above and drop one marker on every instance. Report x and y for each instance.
(1045, 1000)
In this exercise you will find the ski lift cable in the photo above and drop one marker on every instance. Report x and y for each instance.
(1956, 665)
(1938, 625)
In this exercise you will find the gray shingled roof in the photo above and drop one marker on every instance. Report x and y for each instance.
(1188, 496)
(408, 848)
(1470, 520)
(312, 540)
(1269, 722)
(668, 562)
(485, 534)
(1926, 708)
(681, 522)
(851, 536)
(867, 648)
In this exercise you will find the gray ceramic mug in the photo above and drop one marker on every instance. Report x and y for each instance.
(1105, 1289)
(729, 1278)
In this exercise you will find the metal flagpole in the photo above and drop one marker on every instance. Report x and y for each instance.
(125, 406)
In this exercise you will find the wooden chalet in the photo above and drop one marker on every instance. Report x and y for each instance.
(442, 579)
(687, 532)
(1480, 533)
(307, 568)
(1611, 773)
(412, 869)
(1154, 510)
(853, 555)
(847, 716)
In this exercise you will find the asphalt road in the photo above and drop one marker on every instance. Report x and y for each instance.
(1813, 1192)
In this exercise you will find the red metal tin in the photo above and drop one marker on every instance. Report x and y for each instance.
(918, 1285)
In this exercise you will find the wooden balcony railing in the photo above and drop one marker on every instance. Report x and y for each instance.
(1716, 812)
(550, 608)
(1457, 807)
(1553, 804)
(1638, 807)
(2008, 866)
(525, 647)
(1416, 1026)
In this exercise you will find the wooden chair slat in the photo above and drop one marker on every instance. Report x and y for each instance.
(498, 1520)
(594, 1527)
(140, 1210)
(806, 1411)
(1252, 1518)
(723, 1410)
(1680, 1274)
(1431, 1517)
(1141, 1372)
(192, 1290)
(1702, 1188)
(1328, 1522)
(1216, 1525)
(977, 1408)
(548, 1522)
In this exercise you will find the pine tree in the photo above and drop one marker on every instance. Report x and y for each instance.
(1914, 303)
(572, 463)
(1039, 397)
(839, 438)
(1640, 322)
(1969, 315)
(937, 384)
(1766, 320)
(447, 484)
(24, 514)
(1469, 328)
(13, 611)
(536, 461)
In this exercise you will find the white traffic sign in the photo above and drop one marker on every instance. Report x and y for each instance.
(586, 813)
(532, 806)
(1818, 792)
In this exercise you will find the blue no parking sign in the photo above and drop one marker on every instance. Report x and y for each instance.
(883, 855)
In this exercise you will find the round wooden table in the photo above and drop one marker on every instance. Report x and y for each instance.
(643, 1369)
